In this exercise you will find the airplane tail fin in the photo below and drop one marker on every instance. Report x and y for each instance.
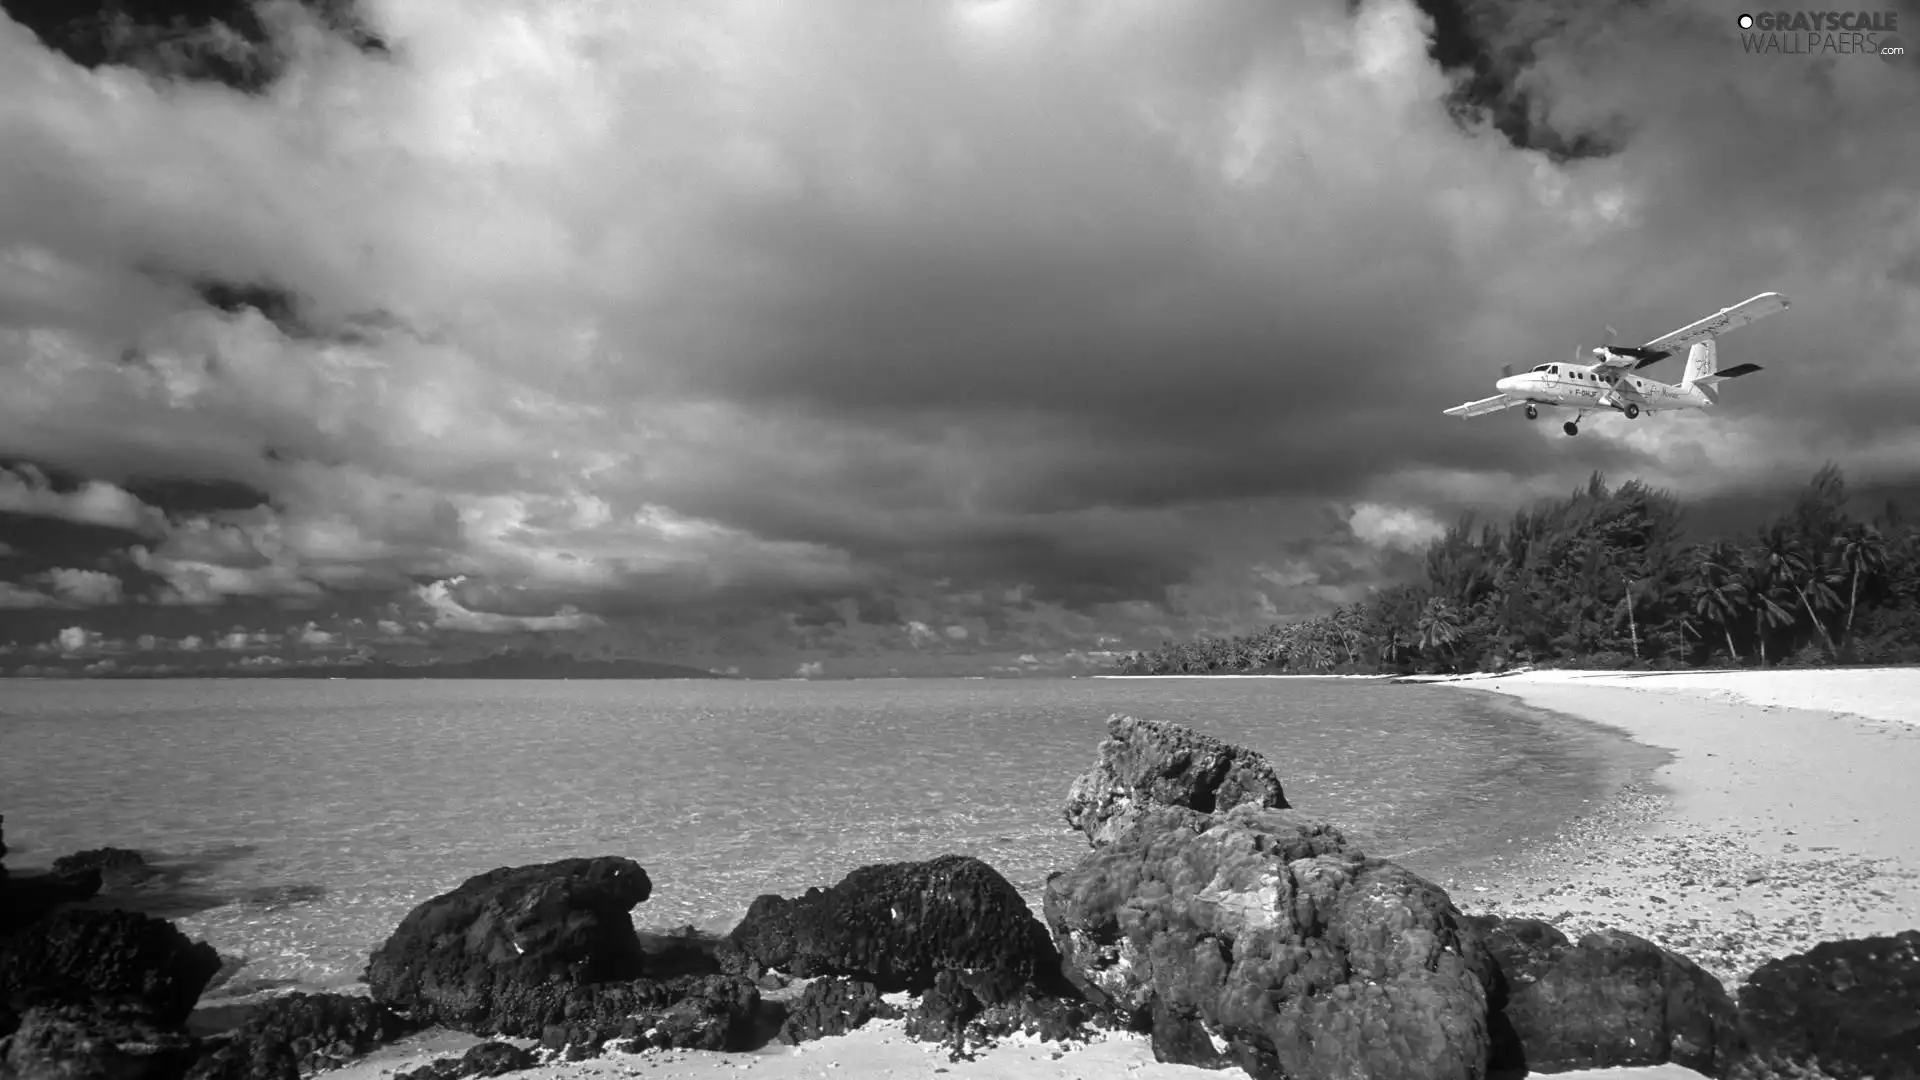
(1703, 361)
(1704, 371)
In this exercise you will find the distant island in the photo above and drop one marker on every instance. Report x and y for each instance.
(507, 664)
(1606, 579)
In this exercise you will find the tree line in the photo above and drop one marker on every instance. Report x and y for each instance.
(1606, 578)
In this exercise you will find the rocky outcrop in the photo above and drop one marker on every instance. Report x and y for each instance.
(899, 925)
(684, 951)
(1613, 999)
(1152, 763)
(485, 1059)
(715, 1012)
(828, 1007)
(951, 1013)
(95, 957)
(119, 868)
(1259, 938)
(493, 955)
(304, 1033)
(85, 1042)
(1848, 1009)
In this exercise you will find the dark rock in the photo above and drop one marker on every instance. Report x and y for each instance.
(81, 1042)
(716, 1012)
(251, 1060)
(683, 951)
(1301, 957)
(485, 1059)
(1849, 1009)
(25, 899)
(494, 954)
(1180, 1035)
(898, 925)
(942, 1013)
(719, 1014)
(80, 957)
(119, 868)
(1614, 999)
(1154, 763)
(953, 1013)
(317, 1031)
(833, 1007)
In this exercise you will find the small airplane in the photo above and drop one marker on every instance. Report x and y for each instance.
(1607, 382)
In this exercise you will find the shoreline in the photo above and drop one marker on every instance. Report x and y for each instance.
(1764, 830)
(1768, 829)
(1760, 831)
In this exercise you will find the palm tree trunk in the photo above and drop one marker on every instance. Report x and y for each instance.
(1731, 651)
(1817, 624)
(1853, 597)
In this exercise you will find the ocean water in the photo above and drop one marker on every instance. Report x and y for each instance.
(303, 819)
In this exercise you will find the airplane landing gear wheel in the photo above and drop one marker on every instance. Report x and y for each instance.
(1633, 411)
(1571, 428)
(1533, 413)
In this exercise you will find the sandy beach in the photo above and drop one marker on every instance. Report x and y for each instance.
(1785, 816)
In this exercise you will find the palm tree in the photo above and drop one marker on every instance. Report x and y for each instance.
(1439, 625)
(1762, 583)
(1718, 597)
(1862, 552)
(1790, 566)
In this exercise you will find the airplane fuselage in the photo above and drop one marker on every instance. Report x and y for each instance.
(1587, 388)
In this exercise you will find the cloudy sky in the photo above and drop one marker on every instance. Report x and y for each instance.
(869, 336)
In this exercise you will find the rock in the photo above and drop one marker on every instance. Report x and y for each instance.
(953, 1013)
(79, 1042)
(719, 1013)
(683, 951)
(716, 1012)
(313, 1031)
(481, 958)
(253, 1060)
(1614, 999)
(1849, 1009)
(25, 899)
(80, 957)
(1152, 762)
(486, 1059)
(119, 868)
(833, 1007)
(898, 925)
(1292, 955)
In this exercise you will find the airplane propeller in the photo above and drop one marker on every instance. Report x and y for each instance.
(1580, 351)
(1506, 371)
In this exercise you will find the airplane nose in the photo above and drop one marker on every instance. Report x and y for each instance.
(1504, 384)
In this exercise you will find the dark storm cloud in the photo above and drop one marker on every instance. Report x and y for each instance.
(909, 327)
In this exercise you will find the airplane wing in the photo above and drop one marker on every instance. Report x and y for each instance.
(1749, 310)
(1485, 406)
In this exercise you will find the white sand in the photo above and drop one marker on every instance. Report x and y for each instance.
(1788, 815)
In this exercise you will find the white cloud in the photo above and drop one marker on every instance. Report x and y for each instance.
(87, 588)
(28, 491)
(1405, 527)
(450, 614)
(76, 640)
(17, 597)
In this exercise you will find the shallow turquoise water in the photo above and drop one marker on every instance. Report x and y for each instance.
(386, 793)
